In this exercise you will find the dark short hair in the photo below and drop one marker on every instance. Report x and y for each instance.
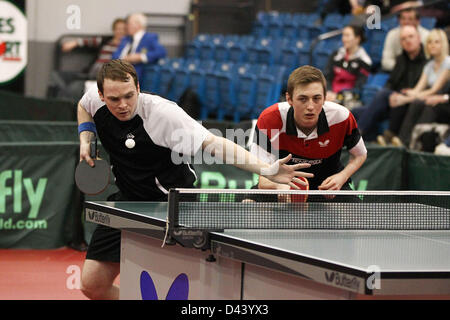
(305, 75)
(409, 10)
(358, 32)
(116, 70)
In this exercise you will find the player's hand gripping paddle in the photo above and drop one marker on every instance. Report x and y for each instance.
(92, 180)
(300, 197)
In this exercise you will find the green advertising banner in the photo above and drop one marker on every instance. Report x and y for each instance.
(17, 107)
(27, 131)
(426, 171)
(383, 169)
(36, 194)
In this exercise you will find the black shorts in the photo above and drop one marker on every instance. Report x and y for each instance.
(105, 241)
(104, 245)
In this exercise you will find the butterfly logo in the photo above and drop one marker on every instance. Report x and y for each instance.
(324, 144)
(179, 290)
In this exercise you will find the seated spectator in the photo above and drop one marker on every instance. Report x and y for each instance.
(443, 149)
(349, 66)
(139, 47)
(407, 72)
(392, 47)
(434, 78)
(70, 85)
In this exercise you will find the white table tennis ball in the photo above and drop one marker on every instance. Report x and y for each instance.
(130, 143)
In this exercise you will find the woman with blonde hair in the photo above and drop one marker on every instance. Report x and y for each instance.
(434, 78)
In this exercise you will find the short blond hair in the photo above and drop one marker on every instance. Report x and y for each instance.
(440, 34)
(303, 76)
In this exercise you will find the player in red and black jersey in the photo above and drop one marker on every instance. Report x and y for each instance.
(313, 130)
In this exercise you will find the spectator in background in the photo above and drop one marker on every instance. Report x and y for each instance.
(426, 106)
(407, 71)
(70, 85)
(139, 47)
(392, 47)
(349, 66)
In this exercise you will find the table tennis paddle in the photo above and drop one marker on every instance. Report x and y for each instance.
(300, 197)
(92, 180)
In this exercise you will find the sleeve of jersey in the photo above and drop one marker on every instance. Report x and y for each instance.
(91, 101)
(174, 129)
(261, 146)
(353, 140)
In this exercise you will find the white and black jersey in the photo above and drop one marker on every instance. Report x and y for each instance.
(162, 132)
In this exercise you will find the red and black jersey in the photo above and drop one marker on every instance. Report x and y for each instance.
(345, 72)
(277, 136)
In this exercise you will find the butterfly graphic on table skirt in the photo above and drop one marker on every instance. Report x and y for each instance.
(179, 290)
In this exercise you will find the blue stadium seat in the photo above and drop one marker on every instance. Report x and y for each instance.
(238, 52)
(310, 26)
(211, 95)
(275, 29)
(428, 22)
(222, 52)
(207, 50)
(167, 74)
(375, 43)
(290, 29)
(150, 78)
(278, 72)
(212, 89)
(227, 94)
(323, 51)
(197, 79)
(266, 85)
(192, 50)
(373, 84)
(389, 23)
(262, 52)
(246, 95)
(260, 28)
(181, 81)
(331, 22)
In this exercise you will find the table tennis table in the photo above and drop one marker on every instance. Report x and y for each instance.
(274, 263)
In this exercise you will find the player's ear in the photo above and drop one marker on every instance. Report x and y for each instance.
(100, 94)
(288, 99)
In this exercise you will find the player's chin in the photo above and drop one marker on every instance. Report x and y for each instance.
(125, 116)
(309, 120)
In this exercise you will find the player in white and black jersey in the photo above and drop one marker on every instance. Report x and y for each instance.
(144, 136)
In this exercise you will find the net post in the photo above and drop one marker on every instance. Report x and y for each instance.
(173, 210)
(172, 216)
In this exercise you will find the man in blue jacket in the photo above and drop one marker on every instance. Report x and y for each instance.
(139, 47)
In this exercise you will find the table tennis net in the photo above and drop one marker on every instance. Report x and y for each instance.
(263, 209)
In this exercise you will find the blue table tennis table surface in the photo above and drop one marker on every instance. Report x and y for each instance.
(394, 254)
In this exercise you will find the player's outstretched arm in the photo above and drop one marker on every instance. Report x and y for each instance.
(231, 153)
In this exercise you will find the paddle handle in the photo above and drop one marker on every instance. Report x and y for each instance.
(94, 148)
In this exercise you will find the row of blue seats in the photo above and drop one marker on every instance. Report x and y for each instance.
(225, 89)
(308, 26)
(290, 53)
(301, 25)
